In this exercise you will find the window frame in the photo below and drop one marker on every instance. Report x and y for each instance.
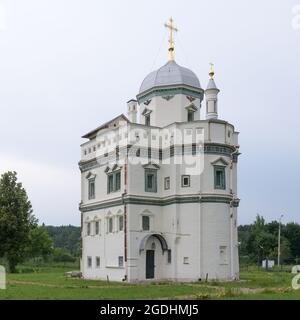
(149, 172)
(110, 225)
(183, 176)
(117, 180)
(89, 262)
(186, 260)
(98, 259)
(222, 185)
(91, 182)
(114, 181)
(145, 224)
(167, 180)
(97, 227)
(147, 119)
(121, 217)
(121, 261)
(88, 228)
(169, 256)
(190, 113)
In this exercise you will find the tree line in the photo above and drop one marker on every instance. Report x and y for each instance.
(259, 241)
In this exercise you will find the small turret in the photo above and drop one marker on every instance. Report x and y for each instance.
(132, 110)
(211, 95)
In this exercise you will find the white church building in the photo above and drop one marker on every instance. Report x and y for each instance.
(159, 185)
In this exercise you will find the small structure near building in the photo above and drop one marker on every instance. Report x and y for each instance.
(266, 264)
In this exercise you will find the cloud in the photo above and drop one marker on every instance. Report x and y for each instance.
(54, 191)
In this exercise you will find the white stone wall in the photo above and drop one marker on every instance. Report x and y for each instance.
(202, 236)
(165, 112)
(107, 246)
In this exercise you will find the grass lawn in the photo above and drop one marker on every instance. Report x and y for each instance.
(50, 283)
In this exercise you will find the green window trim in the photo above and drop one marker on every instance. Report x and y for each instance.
(145, 223)
(150, 180)
(219, 177)
(91, 188)
(114, 181)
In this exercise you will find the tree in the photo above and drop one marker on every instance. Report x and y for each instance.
(61, 255)
(40, 243)
(16, 219)
(292, 232)
(66, 237)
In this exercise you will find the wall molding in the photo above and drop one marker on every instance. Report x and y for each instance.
(160, 202)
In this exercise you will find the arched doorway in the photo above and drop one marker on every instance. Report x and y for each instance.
(151, 245)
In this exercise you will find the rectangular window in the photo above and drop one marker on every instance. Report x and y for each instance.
(194, 149)
(190, 115)
(150, 180)
(110, 225)
(97, 262)
(149, 153)
(169, 256)
(146, 223)
(219, 173)
(121, 223)
(88, 229)
(167, 183)
(91, 189)
(185, 181)
(97, 227)
(114, 182)
(147, 119)
(118, 181)
(110, 183)
(121, 261)
(89, 262)
(186, 260)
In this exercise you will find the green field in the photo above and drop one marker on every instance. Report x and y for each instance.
(50, 283)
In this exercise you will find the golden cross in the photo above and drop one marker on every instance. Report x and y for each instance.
(171, 27)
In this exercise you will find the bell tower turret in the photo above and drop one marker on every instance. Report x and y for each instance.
(211, 95)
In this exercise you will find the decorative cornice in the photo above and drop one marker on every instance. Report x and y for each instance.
(169, 91)
(160, 202)
(209, 148)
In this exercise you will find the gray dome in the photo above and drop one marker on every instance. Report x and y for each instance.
(170, 74)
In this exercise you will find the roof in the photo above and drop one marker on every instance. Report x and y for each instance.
(170, 74)
(104, 126)
(211, 84)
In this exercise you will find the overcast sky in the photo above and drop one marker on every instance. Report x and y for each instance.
(66, 66)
